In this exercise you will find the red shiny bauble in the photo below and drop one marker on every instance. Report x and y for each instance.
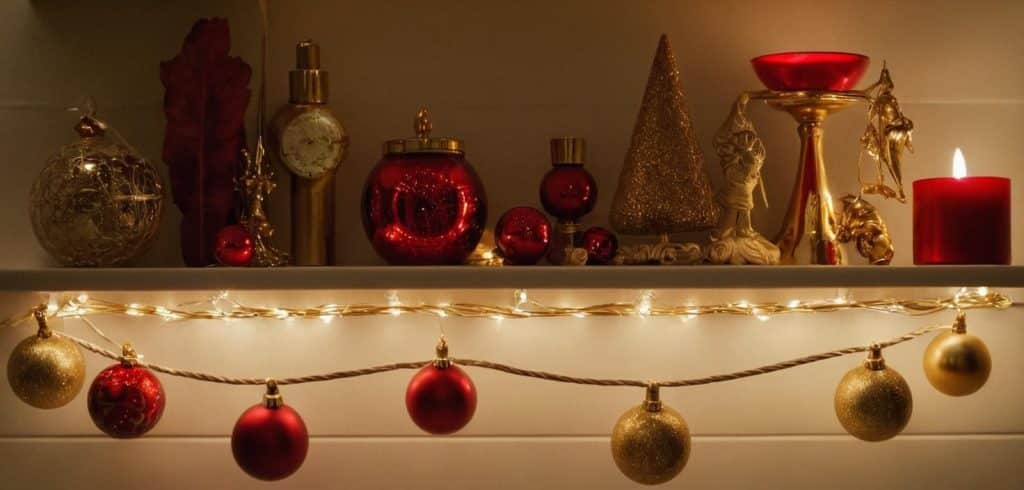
(270, 443)
(600, 245)
(126, 401)
(568, 192)
(233, 246)
(424, 208)
(522, 235)
(441, 400)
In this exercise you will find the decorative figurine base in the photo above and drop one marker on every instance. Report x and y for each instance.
(665, 252)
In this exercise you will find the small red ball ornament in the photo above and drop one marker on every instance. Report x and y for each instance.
(234, 246)
(270, 440)
(522, 235)
(600, 245)
(441, 398)
(568, 191)
(126, 400)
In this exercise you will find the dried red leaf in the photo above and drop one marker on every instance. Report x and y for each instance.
(205, 99)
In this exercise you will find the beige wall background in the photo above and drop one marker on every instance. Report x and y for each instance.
(505, 77)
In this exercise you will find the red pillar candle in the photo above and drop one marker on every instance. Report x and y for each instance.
(962, 220)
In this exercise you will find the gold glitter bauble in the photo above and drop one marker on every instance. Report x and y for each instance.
(651, 447)
(873, 402)
(957, 364)
(96, 203)
(46, 371)
(664, 185)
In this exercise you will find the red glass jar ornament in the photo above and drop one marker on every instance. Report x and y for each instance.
(234, 246)
(568, 191)
(126, 400)
(811, 70)
(270, 440)
(423, 203)
(522, 235)
(600, 244)
(441, 397)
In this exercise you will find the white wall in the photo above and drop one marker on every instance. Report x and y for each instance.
(505, 77)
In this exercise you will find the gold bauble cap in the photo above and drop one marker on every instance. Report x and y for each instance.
(423, 142)
(568, 150)
(307, 83)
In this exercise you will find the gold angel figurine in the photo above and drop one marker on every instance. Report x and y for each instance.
(255, 184)
(741, 154)
(888, 133)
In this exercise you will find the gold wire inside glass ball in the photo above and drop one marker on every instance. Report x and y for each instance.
(96, 204)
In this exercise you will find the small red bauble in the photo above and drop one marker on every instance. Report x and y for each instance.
(234, 246)
(522, 235)
(126, 401)
(270, 440)
(568, 192)
(441, 400)
(600, 245)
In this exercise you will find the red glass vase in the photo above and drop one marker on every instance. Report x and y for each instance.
(423, 204)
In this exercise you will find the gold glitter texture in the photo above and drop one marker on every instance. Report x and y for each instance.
(651, 447)
(873, 403)
(664, 185)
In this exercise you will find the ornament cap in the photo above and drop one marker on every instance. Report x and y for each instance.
(90, 127)
(441, 360)
(652, 400)
(129, 357)
(307, 83)
(875, 361)
(44, 327)
(272, 398)
(423, 142)
(960, 324)
(569, 150)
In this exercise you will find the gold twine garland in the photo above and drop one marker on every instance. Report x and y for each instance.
(560, 378)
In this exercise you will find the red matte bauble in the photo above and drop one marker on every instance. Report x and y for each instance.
(810, 70)
(600, 245)
(522, 235)
(234, 246)
(270, 443)
(441, 400)
(424, 208)
(568, 192)
(126, 401)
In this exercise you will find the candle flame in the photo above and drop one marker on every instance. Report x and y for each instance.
(959, 164)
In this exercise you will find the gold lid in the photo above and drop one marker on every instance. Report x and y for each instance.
(569, 150)
(423, 143)
(307, 83)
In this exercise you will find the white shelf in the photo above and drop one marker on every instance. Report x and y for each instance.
(541, 277)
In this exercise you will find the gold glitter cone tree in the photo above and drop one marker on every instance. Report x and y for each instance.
(664, 186)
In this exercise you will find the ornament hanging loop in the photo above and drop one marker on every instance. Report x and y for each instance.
(39, 314)
(272, 398)
(129, 357)
(960, 324)
(652, 400)
(875, 361)
(441, 360)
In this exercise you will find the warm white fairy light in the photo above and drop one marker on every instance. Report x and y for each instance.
(282, 314)
(643, 304)
(579, 314)
(743, 304)
(133, 310)
(793, 304)
(327, 319)
(982, 291)
(521, 299)
(394, 302)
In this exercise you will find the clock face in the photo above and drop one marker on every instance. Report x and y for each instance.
(312, 144)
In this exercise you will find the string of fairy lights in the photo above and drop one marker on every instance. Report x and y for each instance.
(650, 443)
